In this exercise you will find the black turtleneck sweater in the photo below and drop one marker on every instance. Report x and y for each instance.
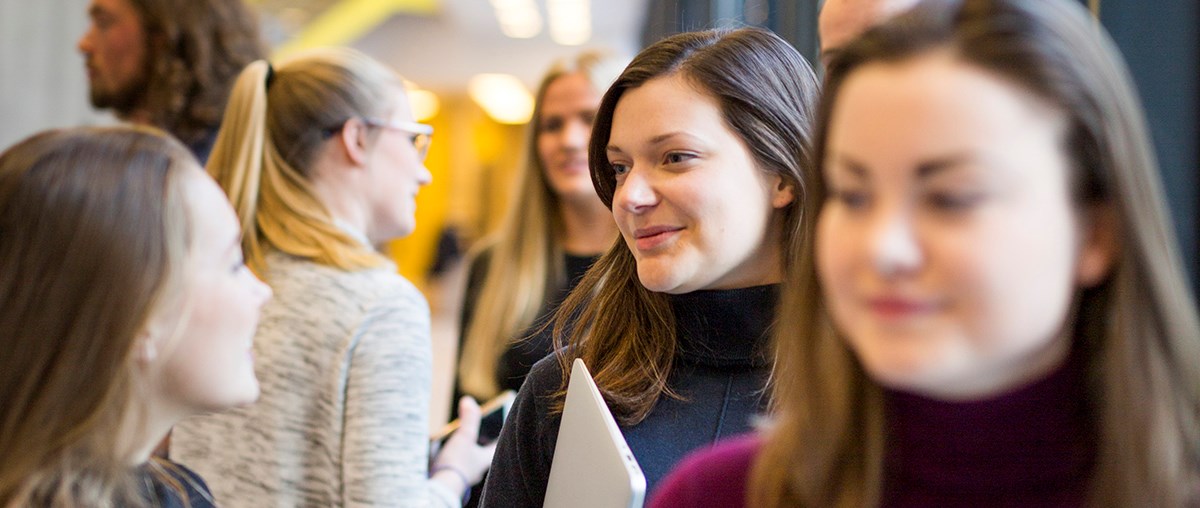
(720, 371)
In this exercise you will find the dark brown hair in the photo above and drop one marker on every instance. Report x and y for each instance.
(1138, 328)
(93, 230)
(767, 94)
(194, 50)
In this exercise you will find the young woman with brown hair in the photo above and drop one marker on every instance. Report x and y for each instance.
(126, 308)
(699, 149)
(993, 312)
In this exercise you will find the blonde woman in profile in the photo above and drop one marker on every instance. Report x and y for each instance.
(555, 228)
(322, 160)
(126, 308)
(993, 313)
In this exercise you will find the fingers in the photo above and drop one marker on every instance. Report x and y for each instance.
(469, 415)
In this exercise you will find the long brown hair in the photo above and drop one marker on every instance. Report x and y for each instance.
(194, 50)
(93, 230)
(526, 252)
(1138, 328)
(767, 94)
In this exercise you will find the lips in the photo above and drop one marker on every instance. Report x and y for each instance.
(651, 237)
(892, 308)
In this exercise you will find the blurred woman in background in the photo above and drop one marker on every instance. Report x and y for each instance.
(554, 229)
(323, 161)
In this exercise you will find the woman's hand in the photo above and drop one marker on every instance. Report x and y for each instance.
(463, 459)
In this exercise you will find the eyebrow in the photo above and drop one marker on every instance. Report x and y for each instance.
(656, 140)
(925, 170)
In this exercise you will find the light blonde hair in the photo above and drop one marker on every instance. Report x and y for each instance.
(85, 214)
(1137, 330)
(270, 139)
(526, 251)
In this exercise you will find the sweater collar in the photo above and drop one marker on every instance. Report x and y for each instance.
(725, 328)
(1042, 430)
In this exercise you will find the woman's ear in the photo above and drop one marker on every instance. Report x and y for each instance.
(146, 348)
(353, 138)
(1099, 245)
(783, 192)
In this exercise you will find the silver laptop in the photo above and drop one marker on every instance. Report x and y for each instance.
(592, 467)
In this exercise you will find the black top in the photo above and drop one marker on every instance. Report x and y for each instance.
(520, 356)
(162, 495)
(203, 146)
(721, 370)
(1034, 446)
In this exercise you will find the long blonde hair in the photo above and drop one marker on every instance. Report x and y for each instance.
(276, 123)
(526, 251)
(767, 94)
(1138, 329)
(85, 214)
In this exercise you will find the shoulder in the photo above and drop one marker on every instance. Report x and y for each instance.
(333, 291)
(713, 477)
(173, 484)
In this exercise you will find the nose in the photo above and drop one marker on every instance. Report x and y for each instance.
(636, 193)
(575, 134)
(85, 42)
(424, 177)
(895, 246)
(262, 291)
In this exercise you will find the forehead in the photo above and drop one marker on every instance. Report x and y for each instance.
(665, 104)
(569, 91)
(113, 8)
(214, 224)
(932, 103)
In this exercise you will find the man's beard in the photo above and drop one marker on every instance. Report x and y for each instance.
(123, 100)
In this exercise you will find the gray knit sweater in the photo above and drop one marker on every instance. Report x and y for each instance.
(344, 362)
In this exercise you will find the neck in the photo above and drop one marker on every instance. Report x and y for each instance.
(342, 202)
(588, 228)
(142, 431)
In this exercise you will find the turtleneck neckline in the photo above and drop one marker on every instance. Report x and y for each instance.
(725, 328)
(1036, 442)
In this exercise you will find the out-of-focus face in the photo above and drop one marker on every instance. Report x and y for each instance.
(949, 249)
(690, 202)
(114, 49)
(567, 111)
(206, 362)
(395, 173)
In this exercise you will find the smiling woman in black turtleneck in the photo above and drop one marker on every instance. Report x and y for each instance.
(700, 149)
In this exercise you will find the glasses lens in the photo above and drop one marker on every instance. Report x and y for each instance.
(421, 143)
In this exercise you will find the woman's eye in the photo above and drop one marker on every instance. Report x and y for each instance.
(853, 199)
(552, 125)
(679, 157)
(952, 201)
(619, 169)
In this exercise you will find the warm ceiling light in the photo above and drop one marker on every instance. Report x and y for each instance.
(425, 104)
(518, 19)
(502, 96)
(570, 21)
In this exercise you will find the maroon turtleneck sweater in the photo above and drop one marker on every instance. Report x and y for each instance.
(1032, 447)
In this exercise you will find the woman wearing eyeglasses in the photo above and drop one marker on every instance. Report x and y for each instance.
(322, 161)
